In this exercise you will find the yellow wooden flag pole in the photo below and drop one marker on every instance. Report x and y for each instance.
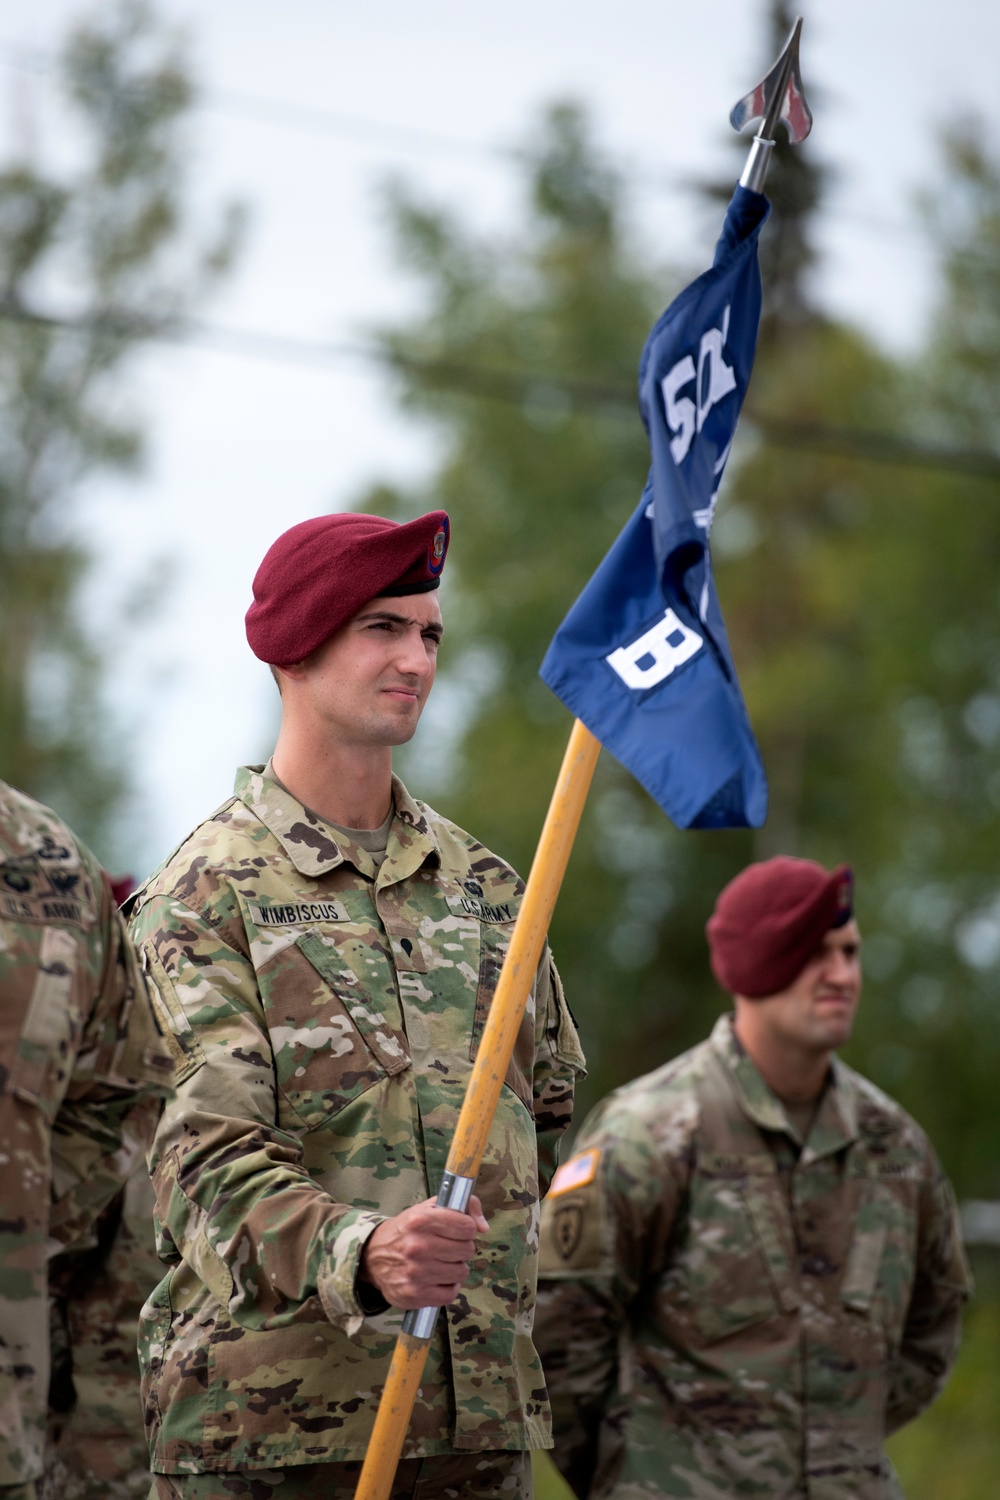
(483, 1093)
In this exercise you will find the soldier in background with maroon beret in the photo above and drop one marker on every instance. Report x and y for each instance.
(751, 1270)
(325, 950)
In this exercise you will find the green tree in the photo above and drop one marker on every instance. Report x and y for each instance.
(878, 715)
(538, 481)
(862, 603)
(106, 243)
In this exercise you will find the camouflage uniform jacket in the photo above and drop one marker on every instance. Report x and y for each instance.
(325, 1017)
(97, 1443)
(721, 1313)
(82, 1064)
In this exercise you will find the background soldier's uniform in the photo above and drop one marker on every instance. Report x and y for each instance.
(97, 1444)
(721, 1313)
(325, 1013)
(82, 1064)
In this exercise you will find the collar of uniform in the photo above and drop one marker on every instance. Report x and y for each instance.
(834, 1127)
(836, 1124)
(313, 847)
(305, 839)
(758, 1101)
(411, 839)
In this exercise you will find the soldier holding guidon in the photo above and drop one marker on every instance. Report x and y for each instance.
(751, 1269)
(325, 949)
(82, 1070)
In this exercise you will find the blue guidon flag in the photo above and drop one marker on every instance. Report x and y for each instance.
(642, 657)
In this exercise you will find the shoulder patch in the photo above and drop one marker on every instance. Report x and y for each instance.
(574, 1232)
(575, 1173)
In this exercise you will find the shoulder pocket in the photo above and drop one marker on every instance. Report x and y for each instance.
(139, 1054)
(561, 1028)
(185, 1049)
(494, 943)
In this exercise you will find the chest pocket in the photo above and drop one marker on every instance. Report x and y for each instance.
(41, 1005)
(331, 1031)
(493, 947)
(737, 1265)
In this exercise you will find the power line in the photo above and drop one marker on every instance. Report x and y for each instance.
(512, 386)
(412, 141)
(307, 119)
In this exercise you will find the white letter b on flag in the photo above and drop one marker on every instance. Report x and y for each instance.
(666, 646)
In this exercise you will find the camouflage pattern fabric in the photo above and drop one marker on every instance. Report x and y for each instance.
(325, 1016)
(82, 1066)
(464, 1476)
(721, 1313)
(97, 1445)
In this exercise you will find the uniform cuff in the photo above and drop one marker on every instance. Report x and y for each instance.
(337, 1282)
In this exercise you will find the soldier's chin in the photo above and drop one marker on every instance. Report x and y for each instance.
(402, 735)
(836, 1030)
(396, 731)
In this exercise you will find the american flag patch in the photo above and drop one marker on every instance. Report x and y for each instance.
(576, 1172)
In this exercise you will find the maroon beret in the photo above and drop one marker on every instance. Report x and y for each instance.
(321, 572)
(122, 887)
(771, 919)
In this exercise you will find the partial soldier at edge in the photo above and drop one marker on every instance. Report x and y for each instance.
(83, 1068)
(751, 1269)
(97, 1446)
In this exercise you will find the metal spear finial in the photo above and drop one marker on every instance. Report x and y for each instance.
(779, 96)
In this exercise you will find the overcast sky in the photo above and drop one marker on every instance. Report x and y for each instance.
(243, 447)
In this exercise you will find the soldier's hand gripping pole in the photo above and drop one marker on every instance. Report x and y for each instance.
(779, 96)
(483, 1093)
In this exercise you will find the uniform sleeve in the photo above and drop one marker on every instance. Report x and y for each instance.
(233, 1196)
(933, 1321)
(604, 1232)
(121, 1073)
(559, 1062)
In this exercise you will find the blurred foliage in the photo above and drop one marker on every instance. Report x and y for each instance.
(861, 599)
(952, 1452)
(104, 242)
(549, 1483)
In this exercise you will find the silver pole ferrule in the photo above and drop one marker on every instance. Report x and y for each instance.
(455, 1193)
(755, 170)
(419, 1321)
